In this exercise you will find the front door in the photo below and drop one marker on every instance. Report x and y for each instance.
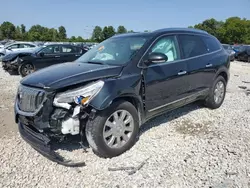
(165, 82)
(52, 55)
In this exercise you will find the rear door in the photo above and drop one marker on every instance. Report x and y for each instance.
(201, 64)
(70, 53)
(52, 55)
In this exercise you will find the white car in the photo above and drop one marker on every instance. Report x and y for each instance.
(16, 46)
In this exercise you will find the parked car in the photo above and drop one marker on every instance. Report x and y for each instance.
(230, 51)
(236, 48)
(16, 46)
(115, 87)
(28, 62)
(244, 53)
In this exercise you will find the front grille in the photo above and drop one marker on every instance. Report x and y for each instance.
(29, 99)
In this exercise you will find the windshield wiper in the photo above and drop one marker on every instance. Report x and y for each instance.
(94, 62)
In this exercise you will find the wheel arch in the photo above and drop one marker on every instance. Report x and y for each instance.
(223, 71)
(134, 100)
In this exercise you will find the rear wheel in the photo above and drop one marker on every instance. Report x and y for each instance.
(25, 69)
(217, 93)
(113, 130)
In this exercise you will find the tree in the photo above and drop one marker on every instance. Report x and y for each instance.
(121, 29)
(18, 34)
(62, 34)
(97, 34)
(79, 39)
(8, 30)
(108, 32)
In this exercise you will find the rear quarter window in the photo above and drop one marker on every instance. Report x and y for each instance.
(211, 43)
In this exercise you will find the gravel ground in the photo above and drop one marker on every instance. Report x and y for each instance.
(189, 147)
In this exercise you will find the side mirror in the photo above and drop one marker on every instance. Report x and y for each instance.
(41, 54)
(156, 57)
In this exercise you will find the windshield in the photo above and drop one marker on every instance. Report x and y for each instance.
(114, 51)
(37, 49)
(227, 47)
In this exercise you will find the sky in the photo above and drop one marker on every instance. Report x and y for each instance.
(80, 16)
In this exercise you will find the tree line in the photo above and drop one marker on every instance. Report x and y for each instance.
(232, 30)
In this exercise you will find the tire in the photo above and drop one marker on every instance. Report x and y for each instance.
(25, 69)
(210, 101)
(95, 130)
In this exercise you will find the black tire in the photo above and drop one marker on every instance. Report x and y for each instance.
(94, 130)
(210, 100)
(22, 69)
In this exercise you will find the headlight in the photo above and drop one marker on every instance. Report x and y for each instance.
(15, 61)
(82, 95)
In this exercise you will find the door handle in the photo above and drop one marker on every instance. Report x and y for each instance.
(57, 56)
(209, 65)
(182, 73)
(77, 55)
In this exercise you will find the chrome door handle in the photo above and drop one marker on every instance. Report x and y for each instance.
(57, 56)
(182, 73)
(77, 55)
(209, 65)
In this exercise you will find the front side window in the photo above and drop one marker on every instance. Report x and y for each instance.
(168, 46)
(14, 46)
(192, 45)
(51, 50)
(116, 51)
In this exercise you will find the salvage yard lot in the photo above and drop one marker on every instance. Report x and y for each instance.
(189, 147)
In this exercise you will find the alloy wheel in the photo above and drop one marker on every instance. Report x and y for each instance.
(118, 129)
(219, 92)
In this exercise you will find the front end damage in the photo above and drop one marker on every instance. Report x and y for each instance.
(11, 65)
(46, 118)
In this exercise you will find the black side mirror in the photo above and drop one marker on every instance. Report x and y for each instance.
(41, 54)
(156, 57)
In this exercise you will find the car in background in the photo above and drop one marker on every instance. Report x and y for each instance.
(16, 46)
(117, 86)
(26, 62)
(244, 53)
(230, 51)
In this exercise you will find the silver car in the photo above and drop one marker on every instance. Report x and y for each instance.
(16, 46)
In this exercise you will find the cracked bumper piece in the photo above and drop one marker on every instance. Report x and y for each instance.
(43, 145)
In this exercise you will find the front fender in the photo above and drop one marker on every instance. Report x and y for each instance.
(125, 86)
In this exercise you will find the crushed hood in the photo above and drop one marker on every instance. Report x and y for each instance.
(67, 74)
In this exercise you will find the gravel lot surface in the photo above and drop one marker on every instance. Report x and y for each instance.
(189, 147)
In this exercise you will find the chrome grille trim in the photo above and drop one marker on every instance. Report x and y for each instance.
(29, 100)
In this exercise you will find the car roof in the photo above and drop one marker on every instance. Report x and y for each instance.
(162, 31)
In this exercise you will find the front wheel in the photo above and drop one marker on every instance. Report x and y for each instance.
(113, 130)
(217, 93)
(25, 69)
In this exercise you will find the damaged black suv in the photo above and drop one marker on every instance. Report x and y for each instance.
(110, 91)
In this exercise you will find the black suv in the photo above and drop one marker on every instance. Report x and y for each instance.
(26, 62)
(114, 88)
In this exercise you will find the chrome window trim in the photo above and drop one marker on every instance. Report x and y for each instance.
(180, 60)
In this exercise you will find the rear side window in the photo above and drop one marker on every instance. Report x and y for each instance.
(212, 44)
(192, 45)
(68, 49)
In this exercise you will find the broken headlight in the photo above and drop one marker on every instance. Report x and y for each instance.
(82, 95)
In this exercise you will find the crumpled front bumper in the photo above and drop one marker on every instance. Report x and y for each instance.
(43, 145)
(8, 66)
